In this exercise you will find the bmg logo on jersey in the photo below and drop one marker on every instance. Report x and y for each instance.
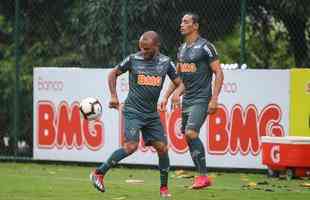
(148, 80)
(186, 67)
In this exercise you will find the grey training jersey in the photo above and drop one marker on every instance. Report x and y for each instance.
(195, 71)
(146, 78)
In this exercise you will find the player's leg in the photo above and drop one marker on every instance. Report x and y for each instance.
(132, 128)
(196, 118)
(185, 116)
(163, 165)
(97, 176)
(153, 134)
(128, 148)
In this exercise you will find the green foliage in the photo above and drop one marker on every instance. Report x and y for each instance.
(6, 80)
(229, 47)
(103, 37)
(294, 15)
(267, 45)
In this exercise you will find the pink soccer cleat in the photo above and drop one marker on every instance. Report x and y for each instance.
(201, 182)
(97, 181)
(164, 192)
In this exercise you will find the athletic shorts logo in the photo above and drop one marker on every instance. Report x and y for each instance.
(186, 67)
(133, 131)
(149, 80)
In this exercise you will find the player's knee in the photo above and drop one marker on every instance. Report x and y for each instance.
(130, 147)
(191, 135)
(161, 148)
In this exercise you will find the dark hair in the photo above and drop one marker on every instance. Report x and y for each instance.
(194, 16)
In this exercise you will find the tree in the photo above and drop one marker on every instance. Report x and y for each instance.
(103, 33)
(294, 14)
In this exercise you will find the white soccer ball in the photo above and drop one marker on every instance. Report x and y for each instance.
(90, 108)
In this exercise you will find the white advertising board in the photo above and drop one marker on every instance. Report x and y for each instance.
(253, 103)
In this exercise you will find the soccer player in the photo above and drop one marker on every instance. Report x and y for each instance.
(147, 71)
(197, 62)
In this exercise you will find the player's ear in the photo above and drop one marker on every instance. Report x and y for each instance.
(196, 26)
(158, 45)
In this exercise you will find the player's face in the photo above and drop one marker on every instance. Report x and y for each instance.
(187, 25)
(148, 49)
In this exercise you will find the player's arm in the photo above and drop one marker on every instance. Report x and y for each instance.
(112, 79)
(218, 82)
(215, 66)
(175, 86)
(178, 92)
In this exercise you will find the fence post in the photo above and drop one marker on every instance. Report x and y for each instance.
(242, 32)
(17, 72)
(124, 28)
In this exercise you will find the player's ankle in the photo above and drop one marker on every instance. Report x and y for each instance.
(99, 172)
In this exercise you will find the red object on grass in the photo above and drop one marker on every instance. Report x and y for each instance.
(290, 154)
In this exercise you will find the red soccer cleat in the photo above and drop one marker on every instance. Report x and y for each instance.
(97, 181)
(164, 192)
(201, 182)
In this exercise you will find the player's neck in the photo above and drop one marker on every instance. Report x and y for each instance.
(190, 39)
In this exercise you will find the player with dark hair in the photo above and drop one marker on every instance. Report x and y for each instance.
(197, 62)
(147, 71)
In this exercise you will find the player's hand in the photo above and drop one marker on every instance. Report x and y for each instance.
(212, 106)
(114, 103)
(163, 104)
(175, 100)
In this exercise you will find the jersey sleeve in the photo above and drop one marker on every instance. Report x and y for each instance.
(210, 51)
(172, 72)
(125, 65)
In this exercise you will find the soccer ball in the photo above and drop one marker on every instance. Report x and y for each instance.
(90, 108)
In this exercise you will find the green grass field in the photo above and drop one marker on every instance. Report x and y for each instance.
(26, 181)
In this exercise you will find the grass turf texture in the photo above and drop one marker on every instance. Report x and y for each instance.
(27, 181)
